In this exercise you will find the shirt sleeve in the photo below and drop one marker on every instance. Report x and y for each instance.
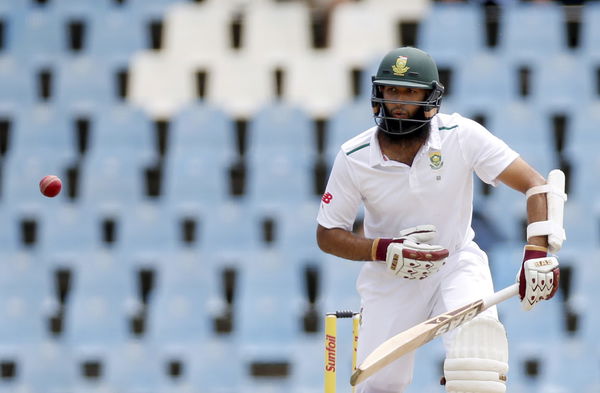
(487, 154)
(341, 200)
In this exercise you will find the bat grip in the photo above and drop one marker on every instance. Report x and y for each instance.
(500, 296)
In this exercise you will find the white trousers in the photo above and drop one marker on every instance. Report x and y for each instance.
(392, 304)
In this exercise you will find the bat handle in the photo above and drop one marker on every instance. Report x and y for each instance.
(500, 296)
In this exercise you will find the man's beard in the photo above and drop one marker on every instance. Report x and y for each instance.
(420, 134)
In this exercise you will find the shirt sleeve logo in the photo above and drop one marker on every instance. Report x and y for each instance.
(327, 197)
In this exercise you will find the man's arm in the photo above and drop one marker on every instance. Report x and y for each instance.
(344, 244)
(539, 274)
(521, 176)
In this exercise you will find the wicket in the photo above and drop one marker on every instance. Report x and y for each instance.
(330, 346)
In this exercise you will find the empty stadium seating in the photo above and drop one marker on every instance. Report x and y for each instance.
(181, 254)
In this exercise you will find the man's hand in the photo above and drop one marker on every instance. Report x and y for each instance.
(410, 256)
(538, 277)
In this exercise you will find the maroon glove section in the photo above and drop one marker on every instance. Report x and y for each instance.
(527, 255)
(382, 245)
(556, 273)
(425, 255)
(532, 254)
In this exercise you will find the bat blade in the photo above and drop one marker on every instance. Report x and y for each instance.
(411, 339)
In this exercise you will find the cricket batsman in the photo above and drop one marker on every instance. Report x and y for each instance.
(413, 174)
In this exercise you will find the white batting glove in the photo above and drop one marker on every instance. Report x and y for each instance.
(538, 277)
(410, 256)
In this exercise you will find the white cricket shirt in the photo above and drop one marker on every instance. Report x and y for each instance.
(437, 189)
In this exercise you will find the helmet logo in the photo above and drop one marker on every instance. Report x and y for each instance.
(400, 68)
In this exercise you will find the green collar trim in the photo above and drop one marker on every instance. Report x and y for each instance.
(357, 148)
(448, 128)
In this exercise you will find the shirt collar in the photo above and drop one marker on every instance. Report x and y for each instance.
(376, 156)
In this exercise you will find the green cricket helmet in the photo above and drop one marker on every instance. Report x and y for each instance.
(406, 67)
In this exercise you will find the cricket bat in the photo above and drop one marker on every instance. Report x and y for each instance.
(411, 339)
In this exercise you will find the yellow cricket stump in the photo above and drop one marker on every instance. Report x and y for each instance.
(330, 346)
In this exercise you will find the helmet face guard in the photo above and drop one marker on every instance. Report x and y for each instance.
(412, 68)
(392, 125)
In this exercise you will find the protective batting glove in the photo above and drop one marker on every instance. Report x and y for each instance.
(410, 256)
(538, 277)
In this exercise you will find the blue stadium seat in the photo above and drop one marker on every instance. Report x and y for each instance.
(307, 364)
(583, 298)
(230, 231)
(572, 366)
(298, 227)
(26, 301)
(205, 366)
(583, 178)
(38, 34)
(9, 12)
(428, 369)
(18, 88)
(68, 232)
(262, 298)
(581, 131)
(504, 260)
(581, 142)
(280, 157)
(45, 367)
(281, 128)
(22, 176)
(526, 129)
(69, 8)
(180, 312)
(521, 355)
(39, 367)
(147, 232)
(543, 323)
(584, 279)
(193, 181)
(484, 82)
(83, 82)
(581, 223)
(114, 35)
(452, 32)
(562, 94)
(339, 283)
(259, 385)
(113, 180)
(134, 367)
(101, 304)
(152, 8)
(279, 179)
(41, 130)
(590, 30)
(351, 120)
(531, 32)
(122, 129)
(200, 129)
(11, 242)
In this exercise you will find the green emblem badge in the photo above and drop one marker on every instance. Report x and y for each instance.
(435, 160)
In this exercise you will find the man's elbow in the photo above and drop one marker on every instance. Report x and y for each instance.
(323, 239)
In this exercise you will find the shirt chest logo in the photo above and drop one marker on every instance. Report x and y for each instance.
(435, 160)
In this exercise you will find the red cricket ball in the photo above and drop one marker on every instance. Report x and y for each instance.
(50, 186)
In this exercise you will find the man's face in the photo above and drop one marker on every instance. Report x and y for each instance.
(398, 93)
